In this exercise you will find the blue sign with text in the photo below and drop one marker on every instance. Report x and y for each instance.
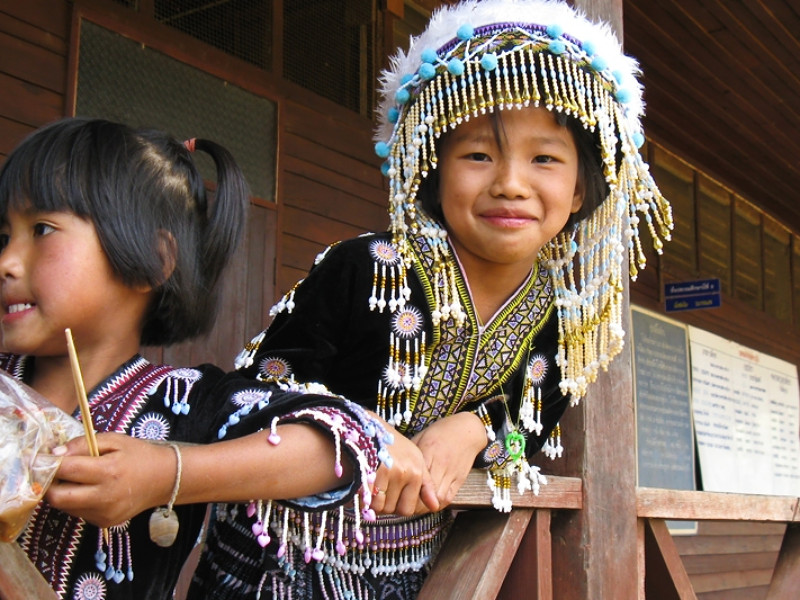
(692, 295)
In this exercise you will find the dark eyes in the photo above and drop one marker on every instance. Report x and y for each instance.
(39, 230)
(539, 159)
(42, 229)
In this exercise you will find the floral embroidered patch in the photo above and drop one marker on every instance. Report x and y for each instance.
(407, 323)
(151, 426)
(537, 369)
(383, 252)
(274, 367)
(90, 586)
(186, 374)
(249, 397)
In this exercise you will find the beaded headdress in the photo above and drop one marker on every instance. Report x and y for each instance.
(478, 57)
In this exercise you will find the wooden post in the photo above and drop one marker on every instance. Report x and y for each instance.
(595, 550)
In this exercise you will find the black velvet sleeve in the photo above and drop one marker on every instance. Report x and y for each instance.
(331, 335)
(238, 406)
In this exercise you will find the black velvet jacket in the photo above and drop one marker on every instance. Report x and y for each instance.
(145, 401)
(325, 331)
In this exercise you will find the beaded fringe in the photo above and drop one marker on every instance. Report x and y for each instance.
(342, 547)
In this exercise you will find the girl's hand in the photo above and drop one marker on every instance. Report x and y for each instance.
(130, 476)
(406, 488)
(450, 446)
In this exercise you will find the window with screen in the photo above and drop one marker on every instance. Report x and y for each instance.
(123, 80)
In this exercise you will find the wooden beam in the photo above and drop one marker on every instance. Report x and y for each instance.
(666, 577)
(784, 584)
(19, 579)
(689, 505)
(396, 7)
(532, 568)
(559, 492)
(476, 555)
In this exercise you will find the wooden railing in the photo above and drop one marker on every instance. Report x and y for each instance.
(664, 566)
(19, 579)
(489, 554)
(494, 555)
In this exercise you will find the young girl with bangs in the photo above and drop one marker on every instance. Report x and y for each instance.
(108, 231)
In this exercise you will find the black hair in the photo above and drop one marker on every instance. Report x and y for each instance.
(148, 203)
(590, 170)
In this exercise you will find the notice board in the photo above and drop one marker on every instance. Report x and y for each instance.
(746, 408)
(662, 389)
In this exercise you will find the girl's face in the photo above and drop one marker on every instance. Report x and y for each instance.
(503, 201)
(53, 275)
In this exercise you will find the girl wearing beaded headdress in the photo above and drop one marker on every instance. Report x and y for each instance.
(510, 132)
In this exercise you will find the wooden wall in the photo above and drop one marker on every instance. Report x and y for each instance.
(727, 560)
(330, 186)
(33, 66)
(731, 560)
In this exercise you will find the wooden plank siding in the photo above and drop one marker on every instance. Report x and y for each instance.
(330, 185)
(726, 557)
(33, 67)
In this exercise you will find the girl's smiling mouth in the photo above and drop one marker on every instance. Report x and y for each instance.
(507, 218)
(18, 307)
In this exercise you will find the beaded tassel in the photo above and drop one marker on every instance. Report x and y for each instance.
(395, 546)
(113, 556)
(487, 423)
(530, 413)
(245, 357)
(552, 448)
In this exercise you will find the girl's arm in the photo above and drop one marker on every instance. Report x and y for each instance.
(133, 475)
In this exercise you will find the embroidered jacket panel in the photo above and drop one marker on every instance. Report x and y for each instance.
(333, 337)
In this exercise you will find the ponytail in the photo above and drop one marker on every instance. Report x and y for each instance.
(226, 216)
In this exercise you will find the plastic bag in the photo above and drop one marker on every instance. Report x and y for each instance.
(30, 427)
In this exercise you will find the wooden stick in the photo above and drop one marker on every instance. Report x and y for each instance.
(83, 402)
(80, 390)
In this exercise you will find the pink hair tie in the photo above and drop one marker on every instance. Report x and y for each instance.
(190, 144)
